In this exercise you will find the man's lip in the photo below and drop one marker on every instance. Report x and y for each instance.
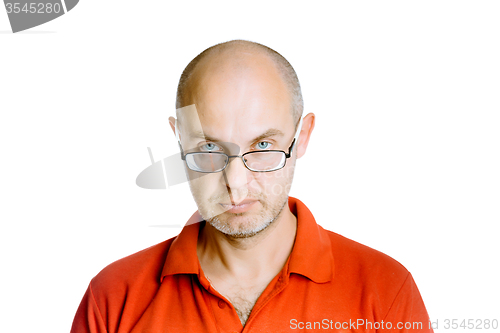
(239, 208)
(246, 201)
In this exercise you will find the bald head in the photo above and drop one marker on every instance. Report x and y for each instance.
(239, 59)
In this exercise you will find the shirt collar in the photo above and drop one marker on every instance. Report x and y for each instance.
(312, 251)
(182, 257)
(311, 254)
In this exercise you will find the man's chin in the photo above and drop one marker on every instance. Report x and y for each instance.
(242, 225)
(241, 232)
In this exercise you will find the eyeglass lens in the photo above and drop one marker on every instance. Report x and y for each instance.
(214, 162)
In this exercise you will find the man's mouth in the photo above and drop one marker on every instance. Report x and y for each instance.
(241, 207)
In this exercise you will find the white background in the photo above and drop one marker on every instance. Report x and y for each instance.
(404, 157)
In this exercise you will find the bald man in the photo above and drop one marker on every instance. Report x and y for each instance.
(251, 259)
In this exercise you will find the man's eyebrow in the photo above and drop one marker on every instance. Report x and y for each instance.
(270, 132)
(203, 136)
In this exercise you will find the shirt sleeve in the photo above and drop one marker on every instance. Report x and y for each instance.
(88, 318)
(407, 313)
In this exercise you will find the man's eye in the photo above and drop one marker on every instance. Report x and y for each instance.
(209, 147)
(263, 145)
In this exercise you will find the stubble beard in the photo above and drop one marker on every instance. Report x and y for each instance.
(250, 226)
(247, 224)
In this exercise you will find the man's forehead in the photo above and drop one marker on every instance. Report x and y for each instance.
(213, 127)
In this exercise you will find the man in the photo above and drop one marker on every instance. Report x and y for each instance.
(256, 261)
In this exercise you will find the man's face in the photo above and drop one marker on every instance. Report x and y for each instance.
(239, 107)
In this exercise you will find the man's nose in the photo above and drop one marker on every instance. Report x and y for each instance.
(237, 177)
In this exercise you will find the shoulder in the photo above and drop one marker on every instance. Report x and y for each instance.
(373, 282)
(363, 263)
(143, 267)
(121, 291)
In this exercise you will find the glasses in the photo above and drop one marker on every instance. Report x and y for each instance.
(257, 161)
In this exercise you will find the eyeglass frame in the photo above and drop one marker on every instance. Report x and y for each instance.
(287, 155)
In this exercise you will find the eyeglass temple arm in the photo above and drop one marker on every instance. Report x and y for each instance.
(295, 139)
(177, 137)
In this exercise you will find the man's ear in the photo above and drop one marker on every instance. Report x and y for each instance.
(172, 121)
(308, 123)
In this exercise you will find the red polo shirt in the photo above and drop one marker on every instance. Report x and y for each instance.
(329, 283)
